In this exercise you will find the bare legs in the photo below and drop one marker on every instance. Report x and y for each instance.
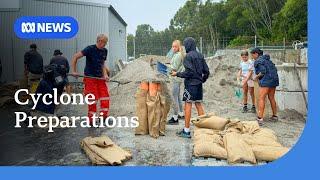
(187, 110)
(264, 92)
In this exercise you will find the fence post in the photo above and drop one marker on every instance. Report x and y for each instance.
(284, 49)
(255, 41)
(134, 48)
(201, 45)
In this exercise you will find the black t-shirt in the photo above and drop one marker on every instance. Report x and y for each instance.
(61, 61)
(34, 62)
(95, 59)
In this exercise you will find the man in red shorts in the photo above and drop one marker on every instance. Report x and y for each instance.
(96, 55)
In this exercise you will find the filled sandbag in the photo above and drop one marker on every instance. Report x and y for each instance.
(210, 121)
(209, 149)
(234, 126)
(268, 153)
(237, 149)
(250, 127)
(208, 138)
(264, 137)
(199, 131)
(154, 115)
(142, 112)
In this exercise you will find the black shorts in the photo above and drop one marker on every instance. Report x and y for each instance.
(193, 93)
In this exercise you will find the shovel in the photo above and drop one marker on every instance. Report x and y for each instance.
(162, 68)
(102, 79)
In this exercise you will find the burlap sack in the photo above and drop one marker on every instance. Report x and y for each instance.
(210, 122)
(154, 115)
(250, 127)
(199, 131)
(142, 112)
(165, 108)
(110, 155)
(234, 126)
(102, 141)
(237, 149)
(268, 153)
(264, 137)
(209, 149)
(208, 138)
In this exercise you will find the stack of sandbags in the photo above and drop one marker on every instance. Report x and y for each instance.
(102, 151)
(208, 143)
(234, 140)
(152, 108)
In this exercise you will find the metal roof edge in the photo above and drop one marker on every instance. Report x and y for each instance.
(79, 3)
(91, 4)
(117, 15)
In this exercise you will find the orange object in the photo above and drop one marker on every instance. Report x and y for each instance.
(144, 86)
(153, 88)
(159, 87)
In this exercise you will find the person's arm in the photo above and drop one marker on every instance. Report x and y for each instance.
(74, 62)
(26, 61)
(248, 76)
(239, 74)
(260, 70)
(106, 72)
(188, 72)
(206, 71)
(67, 66)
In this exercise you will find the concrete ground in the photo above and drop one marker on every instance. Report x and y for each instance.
(34, 146)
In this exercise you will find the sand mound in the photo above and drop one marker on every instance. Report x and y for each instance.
(137, 71)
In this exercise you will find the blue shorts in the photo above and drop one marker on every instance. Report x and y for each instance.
(193, 93)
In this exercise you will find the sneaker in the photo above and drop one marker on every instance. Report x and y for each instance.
(184, 134)
(180, 115)
(253, 109)
(172, 121)
(260, 121)
(274, 119)
(245, 109)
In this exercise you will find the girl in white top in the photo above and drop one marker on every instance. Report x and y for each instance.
(245, 77)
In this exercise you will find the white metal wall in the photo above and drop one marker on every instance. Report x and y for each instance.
(92, 18)
(117, 40)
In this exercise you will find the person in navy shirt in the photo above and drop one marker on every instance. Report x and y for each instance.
(96, 55)
(267, 76)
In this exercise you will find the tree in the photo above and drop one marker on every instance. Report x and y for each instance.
(143, 38)
(130, 48)
(291, 21)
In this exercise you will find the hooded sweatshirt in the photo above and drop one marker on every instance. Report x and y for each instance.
(268, 70)
(196, 69)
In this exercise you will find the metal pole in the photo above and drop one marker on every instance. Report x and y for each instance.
(134, 47)
(255, 40)
(201, 45)
(284, 49)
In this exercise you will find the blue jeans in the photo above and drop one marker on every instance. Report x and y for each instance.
(176, 98)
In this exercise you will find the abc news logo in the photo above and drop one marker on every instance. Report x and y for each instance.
(46, 27)
(31, 27)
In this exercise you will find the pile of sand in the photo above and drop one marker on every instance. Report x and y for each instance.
(137, 71)
(122, 96)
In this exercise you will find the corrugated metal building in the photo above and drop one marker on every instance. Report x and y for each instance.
(93, 18)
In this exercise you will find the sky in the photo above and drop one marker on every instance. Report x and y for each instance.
(157, 13)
